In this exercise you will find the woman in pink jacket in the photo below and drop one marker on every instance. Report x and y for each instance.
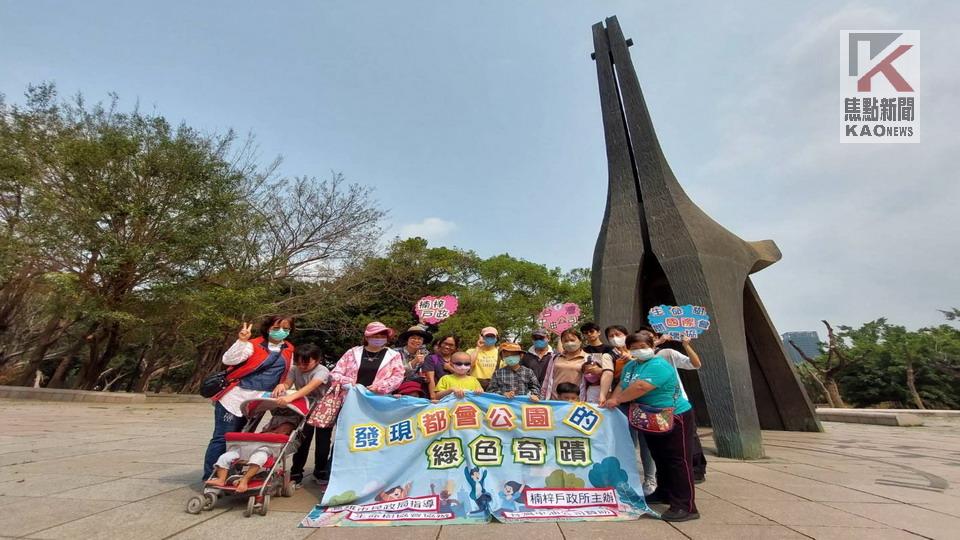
(372, 364)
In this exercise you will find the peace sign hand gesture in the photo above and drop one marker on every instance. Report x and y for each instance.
(244, 333)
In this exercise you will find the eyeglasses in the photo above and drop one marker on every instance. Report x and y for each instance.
(304, 360)
(459, 364)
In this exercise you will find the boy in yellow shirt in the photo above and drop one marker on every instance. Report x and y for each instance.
(459, 382)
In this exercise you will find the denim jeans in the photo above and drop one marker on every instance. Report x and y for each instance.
(223, 422)
(646, 459)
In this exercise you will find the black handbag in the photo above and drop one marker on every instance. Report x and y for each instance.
(213, 384)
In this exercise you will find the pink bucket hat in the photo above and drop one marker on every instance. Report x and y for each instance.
(377, 327)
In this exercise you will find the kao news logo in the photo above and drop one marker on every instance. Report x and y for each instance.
(880, 86)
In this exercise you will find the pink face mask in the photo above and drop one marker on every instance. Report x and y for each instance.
(591, 378)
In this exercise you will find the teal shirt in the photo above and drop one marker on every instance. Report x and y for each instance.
(660, 374)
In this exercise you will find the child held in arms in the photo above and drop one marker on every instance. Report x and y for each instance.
(511, 379)
(460, 381)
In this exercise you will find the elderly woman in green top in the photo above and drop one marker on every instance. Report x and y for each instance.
(651, 381)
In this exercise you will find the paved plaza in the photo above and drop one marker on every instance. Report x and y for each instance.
(91, 470)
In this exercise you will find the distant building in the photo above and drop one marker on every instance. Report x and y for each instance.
(808, 342)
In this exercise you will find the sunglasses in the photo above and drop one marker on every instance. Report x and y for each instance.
(305, 360)
(460, 364)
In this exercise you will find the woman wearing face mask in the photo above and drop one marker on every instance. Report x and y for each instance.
(439, 363)
(372, 364)
(485, 355)
(650, 380)
(617, 336)
(254, 366)
(566, 367)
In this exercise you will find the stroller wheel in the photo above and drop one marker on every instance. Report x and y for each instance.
(194, 505)
(288, 489)
(209, 500)
(251, 503)
(265, 505)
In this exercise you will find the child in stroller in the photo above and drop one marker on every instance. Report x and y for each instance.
(266, 456)
(254, 454)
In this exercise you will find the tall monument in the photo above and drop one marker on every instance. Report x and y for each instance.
(657, 247)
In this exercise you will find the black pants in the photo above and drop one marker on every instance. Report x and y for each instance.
(321, 454)
(699, 461)
(673, 456)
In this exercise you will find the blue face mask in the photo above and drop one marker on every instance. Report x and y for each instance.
(279, 334)
(511, 360)
(539, 344)
(489, 341)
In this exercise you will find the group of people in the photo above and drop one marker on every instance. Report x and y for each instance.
(639, 367)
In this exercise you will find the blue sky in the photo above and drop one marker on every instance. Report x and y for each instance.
(478, 122)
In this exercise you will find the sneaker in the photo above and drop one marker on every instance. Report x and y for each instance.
(699, 478)
(649, 487)
(678, 514)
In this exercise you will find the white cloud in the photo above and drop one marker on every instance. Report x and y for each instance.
(433, 229)
(864, 228)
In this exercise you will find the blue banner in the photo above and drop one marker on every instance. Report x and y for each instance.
(408, 461)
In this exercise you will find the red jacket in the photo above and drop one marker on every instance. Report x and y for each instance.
(250, 365)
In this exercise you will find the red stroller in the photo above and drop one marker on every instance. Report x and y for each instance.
(274, 476)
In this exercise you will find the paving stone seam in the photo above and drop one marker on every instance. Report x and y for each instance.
(897, 527)
(125, 503)
(935, 457)
(761, 516)
(875, 460)
(202, 521)
(827, 503)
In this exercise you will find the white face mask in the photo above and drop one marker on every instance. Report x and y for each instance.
(618, 341)
(642, 354)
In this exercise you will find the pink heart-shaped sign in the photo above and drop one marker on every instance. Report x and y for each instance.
(433, 309)
(559, 317)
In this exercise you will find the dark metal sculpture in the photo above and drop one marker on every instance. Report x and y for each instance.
(657, 247)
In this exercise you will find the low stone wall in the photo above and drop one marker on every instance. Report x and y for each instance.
(882, 417)
(57, 394)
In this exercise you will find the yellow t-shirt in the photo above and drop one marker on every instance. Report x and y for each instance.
(465, 382)
(486, 362)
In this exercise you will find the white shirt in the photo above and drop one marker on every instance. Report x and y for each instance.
(679, 361)
(239, 352)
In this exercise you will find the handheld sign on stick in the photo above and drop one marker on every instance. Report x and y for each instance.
(433, 309)
(559, 317)
(679, 321)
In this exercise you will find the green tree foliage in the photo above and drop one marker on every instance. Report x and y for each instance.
(131, 250)
(896, 366)
(130, 247)
(385, 287)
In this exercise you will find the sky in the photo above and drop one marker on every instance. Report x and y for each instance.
(478, 123)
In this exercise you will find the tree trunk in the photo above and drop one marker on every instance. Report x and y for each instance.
(49, 337)
(912, 386)
(826, 393)
(56, 381)
(99, 363)
(207, 362)
(833, 393)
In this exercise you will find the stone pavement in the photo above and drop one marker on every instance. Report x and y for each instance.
(84, 470)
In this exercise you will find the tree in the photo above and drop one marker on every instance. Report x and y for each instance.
(826, 368)
(130, 248)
